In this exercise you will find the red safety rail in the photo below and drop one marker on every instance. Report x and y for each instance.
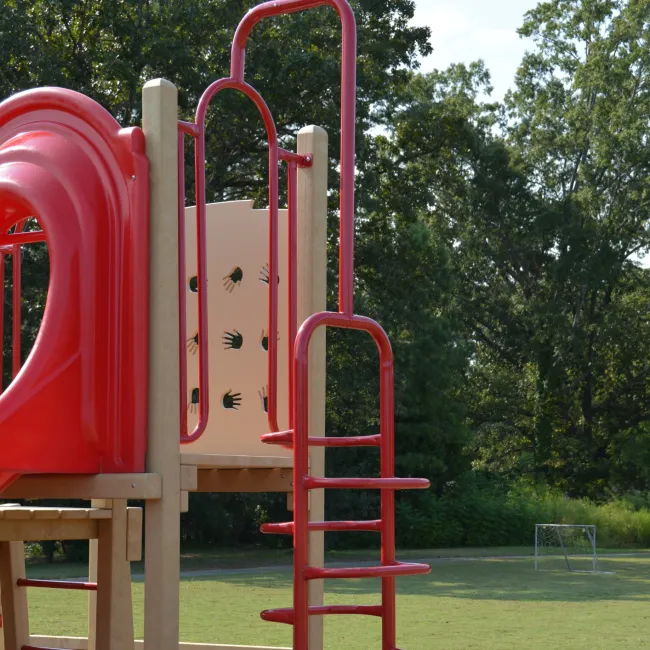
(276, 154)
(78, 405)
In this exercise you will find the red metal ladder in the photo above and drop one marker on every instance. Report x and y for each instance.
(300, 441)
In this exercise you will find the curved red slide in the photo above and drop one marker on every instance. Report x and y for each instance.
(79, 403)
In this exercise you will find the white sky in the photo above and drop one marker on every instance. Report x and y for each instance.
(467, 30)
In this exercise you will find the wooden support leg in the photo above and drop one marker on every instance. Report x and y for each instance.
(114, 615)
(92, 595)
(2, 634)
(15, 620)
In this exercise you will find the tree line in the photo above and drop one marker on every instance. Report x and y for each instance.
(500, 243)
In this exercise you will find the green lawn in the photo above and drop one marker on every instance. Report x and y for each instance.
(462, 604)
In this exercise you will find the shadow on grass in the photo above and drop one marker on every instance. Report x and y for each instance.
(489, 580)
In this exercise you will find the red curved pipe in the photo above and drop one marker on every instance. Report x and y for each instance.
(348, 108)
(198, 131)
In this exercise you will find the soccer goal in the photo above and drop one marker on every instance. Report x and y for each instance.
(566, 546)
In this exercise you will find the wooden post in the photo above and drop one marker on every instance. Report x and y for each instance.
(2, 634)
(162, 517)
(312, 295)
(93, 563)
(15, 621)
(114, 620)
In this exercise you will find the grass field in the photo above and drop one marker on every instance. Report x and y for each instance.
(463, 604)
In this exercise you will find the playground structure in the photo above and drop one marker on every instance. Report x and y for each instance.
(156, 324)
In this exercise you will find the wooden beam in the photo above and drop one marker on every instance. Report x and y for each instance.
(28, 513)
(134, 534)
(245, 480)
(185, 502)
(44, 529)
(221, 461)
(114, 621)
(162, 520)
(97, 486)
(189, 478)
(312, 298)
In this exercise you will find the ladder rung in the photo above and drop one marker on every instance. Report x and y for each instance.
(287, 528)
(57, 584)
(285, 439)
(314, 483)
(282, 438)
(399, 569)
(285, 615)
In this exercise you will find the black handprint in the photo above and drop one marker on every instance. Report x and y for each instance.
(193, 344)
(264, 274)
(265, 340)
(232, 340)
(233, 279)
(193, 406)
(231, 400)
(265, 399)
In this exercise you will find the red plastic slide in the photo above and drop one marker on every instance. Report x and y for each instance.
(79, 403)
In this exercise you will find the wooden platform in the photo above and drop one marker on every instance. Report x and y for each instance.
(85, 487)
(228, 473)
(19, 523)
(22, 513)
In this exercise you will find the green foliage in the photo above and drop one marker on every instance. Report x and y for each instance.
(497, 244)
(477, 511)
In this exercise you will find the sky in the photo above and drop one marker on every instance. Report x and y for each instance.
(466, 30)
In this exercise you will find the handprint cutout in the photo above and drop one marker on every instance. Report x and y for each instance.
(231, 400)
(233, 279)
(265, 340)
(193, 283)
(232, 340)
(265, 399)
(264, 274)
(193, 344)
(193, 406)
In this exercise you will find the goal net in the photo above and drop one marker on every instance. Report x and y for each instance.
(566, 546)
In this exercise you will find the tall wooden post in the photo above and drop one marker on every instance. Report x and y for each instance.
(162, 517)
(312, 297)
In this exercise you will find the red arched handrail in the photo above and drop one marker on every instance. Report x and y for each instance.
(348, 107)
(198, 131)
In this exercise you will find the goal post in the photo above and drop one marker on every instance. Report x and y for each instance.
(568, 546)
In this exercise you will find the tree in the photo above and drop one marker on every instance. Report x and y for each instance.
(109, 49)
(554, 293)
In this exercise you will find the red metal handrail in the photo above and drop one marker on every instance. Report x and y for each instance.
(182, 280)
(198, 131)
(11, 244)
(348, 110)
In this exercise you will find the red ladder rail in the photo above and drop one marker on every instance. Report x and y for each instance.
(390, 568)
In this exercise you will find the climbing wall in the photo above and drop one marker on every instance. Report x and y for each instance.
(237, 246)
